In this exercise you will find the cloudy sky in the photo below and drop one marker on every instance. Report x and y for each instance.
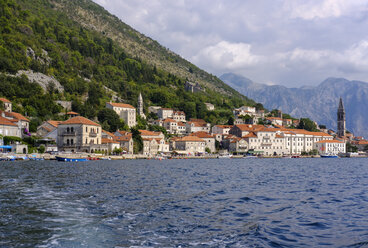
(288, 42)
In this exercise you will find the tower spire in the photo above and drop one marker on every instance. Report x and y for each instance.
(140, 106)
(341, 121)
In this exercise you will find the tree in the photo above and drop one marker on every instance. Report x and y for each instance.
(230, 121)
(208, 150)
(365, 148)
(137, 139)
(110, 120)
(307, 124)
(351, 148)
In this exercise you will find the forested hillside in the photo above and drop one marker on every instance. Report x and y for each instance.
(39, 35)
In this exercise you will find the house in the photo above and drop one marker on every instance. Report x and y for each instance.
(154, 142)
(287, 122)
(197, 125)
(181, 128)
(208, 138)
(235, 144)
(125, 140)
(193, 87)
(243, 129)
(170, 125)
(17, 118)
(8, 128)
(274, 121)
(110, 144)
(190, 145)
(7, 104)
(164, 113)
(179, 116)
(72, 114)
(79, 134)
(210, 106)
(330, 147)
(221, 129)
(361, 144)
(48, 129)
(125, 111)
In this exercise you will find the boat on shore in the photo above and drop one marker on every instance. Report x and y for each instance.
(329, 155)
(68, 159)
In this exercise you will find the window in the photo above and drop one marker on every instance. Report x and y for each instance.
(71, 141)
(72, 129)
(67, 141)
(67, 129)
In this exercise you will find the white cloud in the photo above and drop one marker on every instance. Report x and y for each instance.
(290, 42)
(231, 56)
(316, 9)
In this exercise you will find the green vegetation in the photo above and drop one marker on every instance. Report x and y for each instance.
(307, 124)
(40, 35)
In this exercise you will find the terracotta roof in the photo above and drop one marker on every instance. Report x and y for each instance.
(54, 123)
(330, 141)
(166, 109)
(16, 116)
(360, 142)
(191, 139)
(46, 128)
(107, 141)
(149, 133)
(181, 124)
(121, 105)
(79, 120)
(224, 126)
(108, 133)
(4, 100)
(123, 133)
(274, 118)
(197, 124)
(72, 113)
(169, 120)
(279, 136)
(250, 135)
(197, 120)
(201, 134)
(249, 127)
(123, 138)
(6, 122)
(179, 113)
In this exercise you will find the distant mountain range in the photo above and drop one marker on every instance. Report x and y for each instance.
(318, 103)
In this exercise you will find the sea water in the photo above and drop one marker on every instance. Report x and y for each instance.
(185, 203)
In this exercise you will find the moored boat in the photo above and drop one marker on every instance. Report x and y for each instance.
(329, 155)
(66, 159)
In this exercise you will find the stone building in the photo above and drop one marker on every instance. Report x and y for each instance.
(79, 134)
(125, 111)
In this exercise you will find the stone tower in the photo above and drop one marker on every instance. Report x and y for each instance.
(341, 122)
(140, 106)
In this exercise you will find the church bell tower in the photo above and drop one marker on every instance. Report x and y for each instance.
(341, 121)
(140, 106)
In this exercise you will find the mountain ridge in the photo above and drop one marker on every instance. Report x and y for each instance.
(318, 103)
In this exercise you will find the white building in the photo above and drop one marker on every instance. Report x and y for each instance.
(164, 113)
(125, 111)
(332, 147)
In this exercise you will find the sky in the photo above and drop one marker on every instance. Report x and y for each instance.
(287, 42)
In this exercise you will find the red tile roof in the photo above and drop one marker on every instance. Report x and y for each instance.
(16, 116)
(6, 122)
(4, 100)
(79, 120)
(190, 139)
(54, 123)
(121, 105)
(201, 134)
(149, 133)
(72, 113)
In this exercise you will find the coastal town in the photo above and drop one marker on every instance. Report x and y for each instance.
(253, 133)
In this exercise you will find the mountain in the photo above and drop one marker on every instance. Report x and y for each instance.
(318, 103)
(76, 51)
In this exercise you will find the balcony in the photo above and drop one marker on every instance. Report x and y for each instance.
(93, 135)
(69, 145)
(69, 133)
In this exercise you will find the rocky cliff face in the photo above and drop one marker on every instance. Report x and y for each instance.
(318, 103)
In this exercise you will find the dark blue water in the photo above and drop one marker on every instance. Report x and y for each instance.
(185, 203)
